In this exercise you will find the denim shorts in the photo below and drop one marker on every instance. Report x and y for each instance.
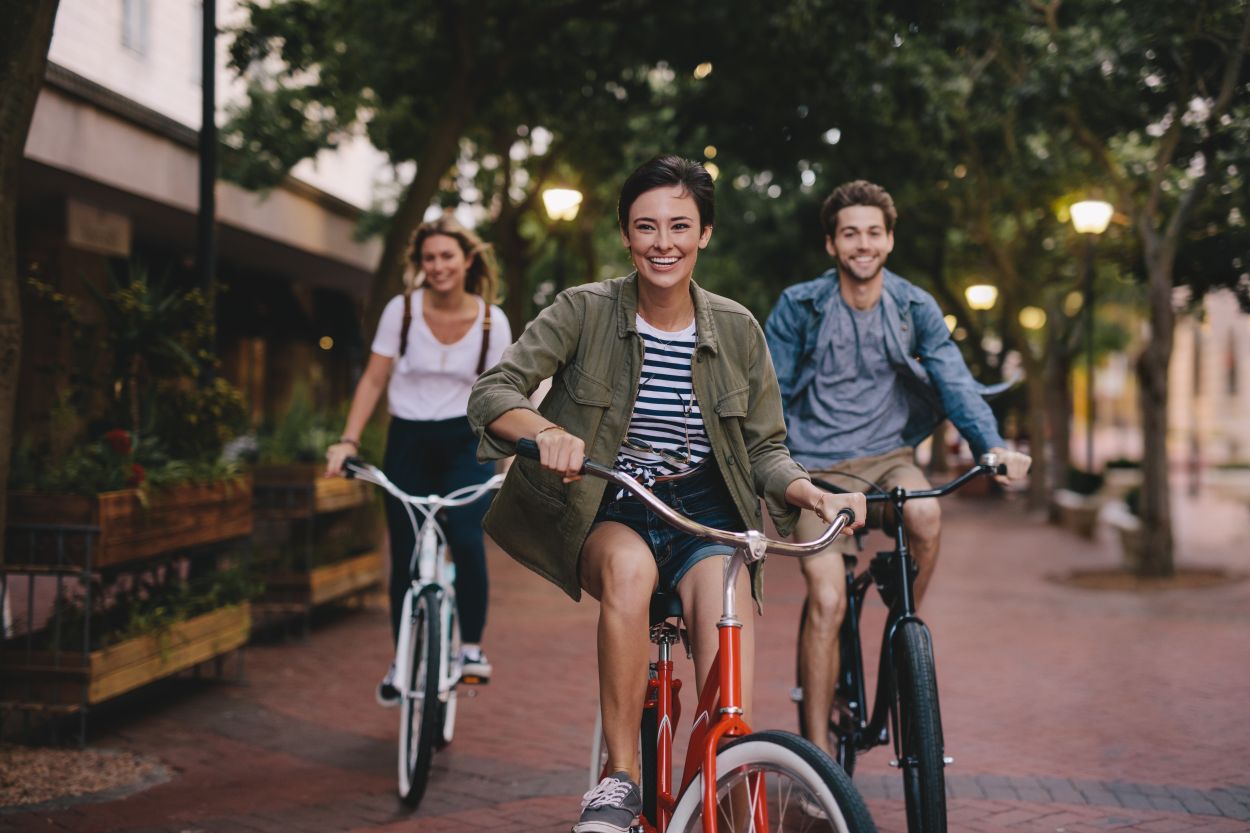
(701, 495)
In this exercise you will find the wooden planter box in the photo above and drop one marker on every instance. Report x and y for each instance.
(68, 679)
(299, 490)
(1076, 512)
(187, 515)
(294, 592)
(1128, 530)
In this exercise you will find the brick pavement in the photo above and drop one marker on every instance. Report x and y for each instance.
(1066, 710)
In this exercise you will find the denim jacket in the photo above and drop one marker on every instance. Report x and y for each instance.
(935, 377)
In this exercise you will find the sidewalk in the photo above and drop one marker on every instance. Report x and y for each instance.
(1065, 710)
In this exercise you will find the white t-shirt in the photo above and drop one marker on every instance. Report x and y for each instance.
(432, 380)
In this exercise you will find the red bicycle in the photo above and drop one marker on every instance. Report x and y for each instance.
(734, 779)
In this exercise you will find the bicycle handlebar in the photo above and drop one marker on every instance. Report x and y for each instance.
(988, 465)
(354, 467)
(751, 542)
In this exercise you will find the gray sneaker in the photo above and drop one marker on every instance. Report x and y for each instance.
(611, 807)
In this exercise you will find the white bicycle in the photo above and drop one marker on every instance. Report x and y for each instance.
(427, 652)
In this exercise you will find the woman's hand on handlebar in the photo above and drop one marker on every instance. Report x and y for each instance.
(336, 454)
(561, 452)
(806, 495)
(829, 504)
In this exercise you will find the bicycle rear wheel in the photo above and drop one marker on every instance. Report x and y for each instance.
(919, 721)
(773, 781)
(419, 713)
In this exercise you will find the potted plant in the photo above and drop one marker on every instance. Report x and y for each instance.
(1076, 506)
(136, 628)
(1120, 475)
(144, 467)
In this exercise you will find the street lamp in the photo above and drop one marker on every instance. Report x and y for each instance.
(982, 297)
(1089, 218)
(562, 205)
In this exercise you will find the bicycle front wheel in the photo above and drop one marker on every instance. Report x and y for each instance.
(919, 723)
(419, 719)
(775, 781)
(451, 657)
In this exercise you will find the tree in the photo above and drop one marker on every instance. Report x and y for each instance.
(1158, 95)
(24, 42)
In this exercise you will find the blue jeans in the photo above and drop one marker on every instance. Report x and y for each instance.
(702, 495)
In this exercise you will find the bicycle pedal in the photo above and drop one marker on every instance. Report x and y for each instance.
(473, 679)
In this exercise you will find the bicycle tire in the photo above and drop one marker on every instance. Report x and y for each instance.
(447, 708)
(418, 710)
(920, 730)
(799, 779)
(841, 726)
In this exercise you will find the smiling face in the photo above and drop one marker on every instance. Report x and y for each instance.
(664, 237)
(444, 263)
(860, 242)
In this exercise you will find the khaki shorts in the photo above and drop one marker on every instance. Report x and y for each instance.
(884, 470)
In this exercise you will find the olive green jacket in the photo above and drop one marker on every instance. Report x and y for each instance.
(587, 343)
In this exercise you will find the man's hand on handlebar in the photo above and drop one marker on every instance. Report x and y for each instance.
(561, 452)
(1017, 464)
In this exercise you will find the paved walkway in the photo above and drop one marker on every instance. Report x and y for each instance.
(1066, 710)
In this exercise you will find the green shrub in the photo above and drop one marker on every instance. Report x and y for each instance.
(1083, 482)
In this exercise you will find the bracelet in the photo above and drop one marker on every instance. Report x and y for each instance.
(549, 428)
(353, 443)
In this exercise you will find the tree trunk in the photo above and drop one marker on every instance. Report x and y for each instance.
(1058, 400)
(1039, 445)
(24, 41)
(1152, 371)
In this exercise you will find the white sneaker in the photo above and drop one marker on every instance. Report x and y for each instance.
(387, 694)
(810, 808)
(474, 666)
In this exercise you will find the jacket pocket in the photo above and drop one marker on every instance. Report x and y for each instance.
(734, 403)
(585, 389)
(537, 483)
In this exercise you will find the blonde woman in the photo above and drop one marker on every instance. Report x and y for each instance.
(432, 343)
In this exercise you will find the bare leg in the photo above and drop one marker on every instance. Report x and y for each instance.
(819, 660)
(702, 600)
(923, 520)
(619, 570)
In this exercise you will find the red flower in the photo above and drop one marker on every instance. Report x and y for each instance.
(119, 440)
(137, 474)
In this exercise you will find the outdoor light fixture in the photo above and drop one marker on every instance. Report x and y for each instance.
(1090, 219)
(1091, 216)
(1032, 318)
(981, 296)
(562, 203)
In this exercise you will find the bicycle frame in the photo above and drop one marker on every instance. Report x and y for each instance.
(722, 692)
(892, 573)
(428, 565)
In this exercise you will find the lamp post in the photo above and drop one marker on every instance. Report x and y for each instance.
(982, 297)
(562, 205)
(1090, 219)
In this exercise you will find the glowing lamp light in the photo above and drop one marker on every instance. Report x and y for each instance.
(703, 70)
(981, 296)
(325, 343)
(562, 203)
(1032, 318)
(951, 321)
(1091, 216)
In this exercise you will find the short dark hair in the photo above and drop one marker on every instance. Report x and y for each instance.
(669, 170)
(859, 192)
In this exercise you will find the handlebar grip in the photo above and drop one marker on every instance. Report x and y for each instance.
(1001, 468)
(849, 513)
(350, 465)
(525, 447)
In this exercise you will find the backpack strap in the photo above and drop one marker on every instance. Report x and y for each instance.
(403, 328)
(481, 359)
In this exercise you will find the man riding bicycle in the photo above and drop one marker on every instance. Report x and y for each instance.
(867, 370)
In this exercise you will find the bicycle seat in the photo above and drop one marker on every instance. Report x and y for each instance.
(664, 606)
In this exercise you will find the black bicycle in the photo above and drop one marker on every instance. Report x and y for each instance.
(905, 707)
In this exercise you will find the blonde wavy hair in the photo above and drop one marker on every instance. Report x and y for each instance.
(482, 277)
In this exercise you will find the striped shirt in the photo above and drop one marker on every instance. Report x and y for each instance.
(666, 413)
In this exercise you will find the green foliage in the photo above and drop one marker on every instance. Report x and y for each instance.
(133, 606)
(304, 432)
(195, 421)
